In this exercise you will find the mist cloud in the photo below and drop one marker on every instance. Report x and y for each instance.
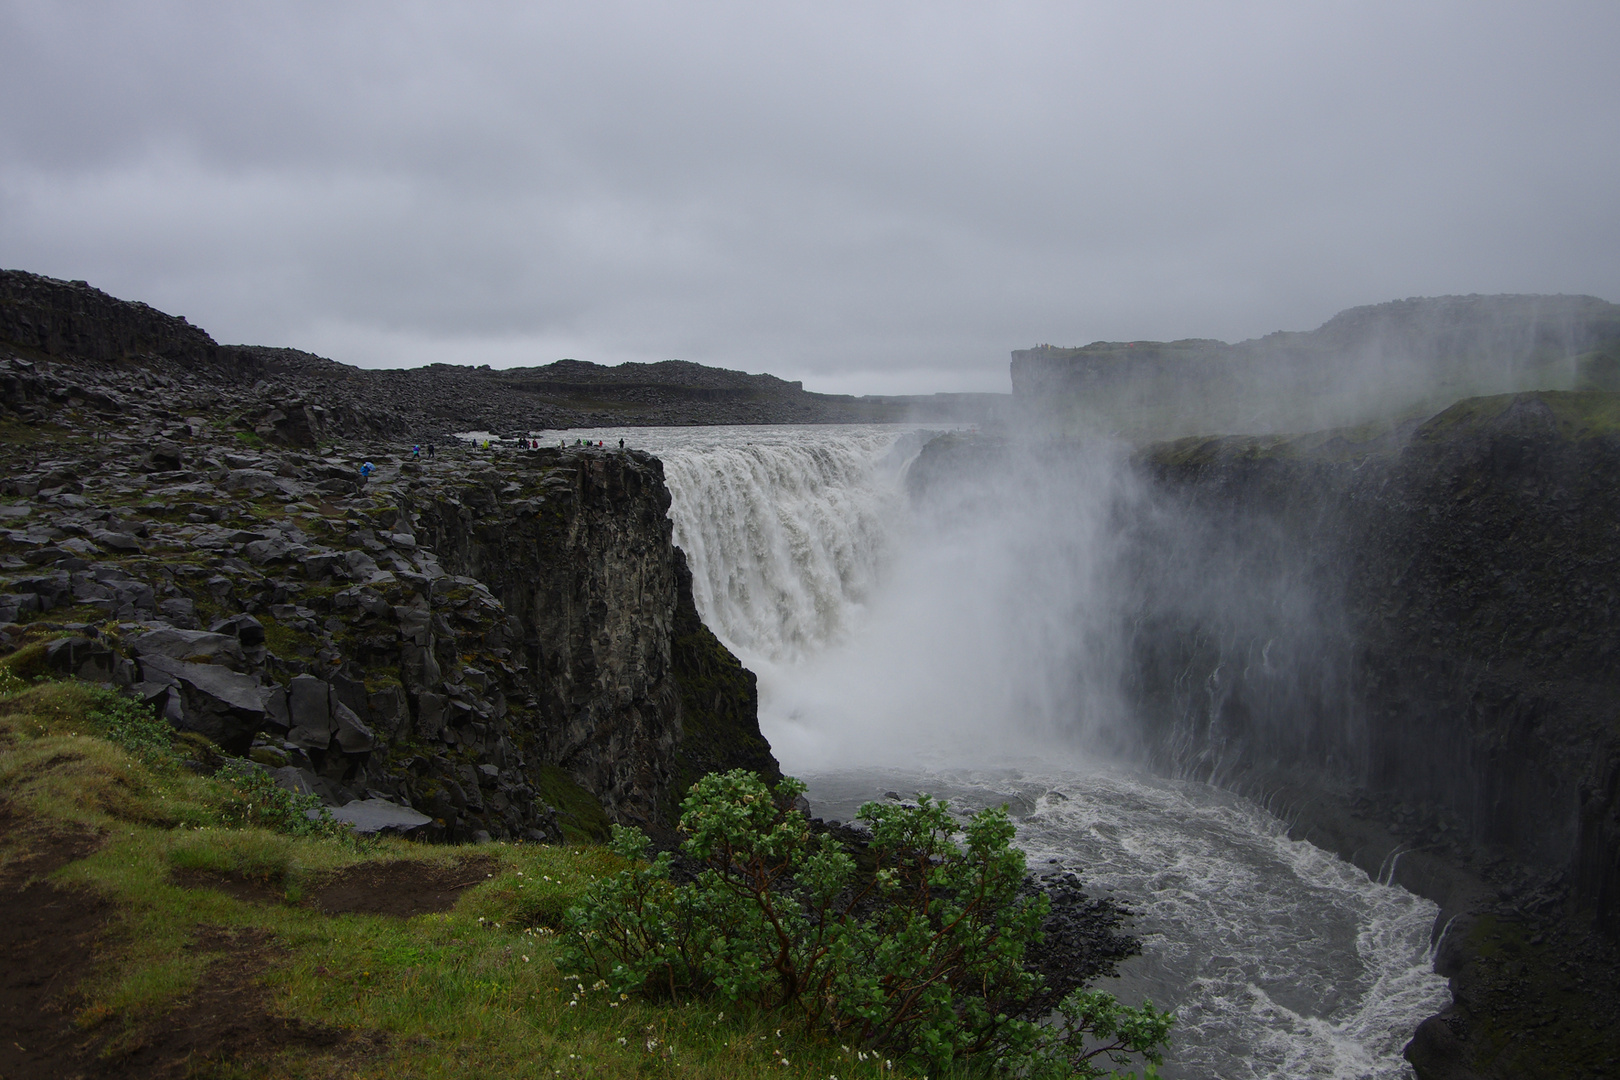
(869, 198)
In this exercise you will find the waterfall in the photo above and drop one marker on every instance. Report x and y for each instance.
(786, 530)
(978, 623)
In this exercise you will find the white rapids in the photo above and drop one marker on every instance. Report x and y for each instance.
(959, 656)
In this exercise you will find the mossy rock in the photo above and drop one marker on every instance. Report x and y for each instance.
(582, 818)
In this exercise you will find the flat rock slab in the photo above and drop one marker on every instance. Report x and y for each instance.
(371, 816)
(401, 888)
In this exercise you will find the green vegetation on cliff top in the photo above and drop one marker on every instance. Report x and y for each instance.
(208, 929)
(1570, 414)
(175, 913)
(1573, 415)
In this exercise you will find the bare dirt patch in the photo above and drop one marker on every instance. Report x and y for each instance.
(245, 887)
(223, 1020)
(400, 888)
(48, 940)
(47, 937)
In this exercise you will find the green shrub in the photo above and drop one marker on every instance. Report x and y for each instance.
(920, 954)
(133, 725)
(256, 799)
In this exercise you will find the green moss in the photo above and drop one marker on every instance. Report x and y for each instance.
(1575, 414)
(582, 817)
(23, 433)
(250, 438)
(75, 613)
(24, 666)
(284, 641)
(1599, 369)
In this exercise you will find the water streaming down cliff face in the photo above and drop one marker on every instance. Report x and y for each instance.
(971, 647)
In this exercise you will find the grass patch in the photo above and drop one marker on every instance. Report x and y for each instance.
(284, 641)
(1575, 414)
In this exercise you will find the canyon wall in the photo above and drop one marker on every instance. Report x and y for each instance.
(1405, 645)
(471, 643)
(1435, 618)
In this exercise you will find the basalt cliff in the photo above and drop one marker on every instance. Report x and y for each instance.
(468, 643)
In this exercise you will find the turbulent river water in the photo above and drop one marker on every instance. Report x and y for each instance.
(965, 653)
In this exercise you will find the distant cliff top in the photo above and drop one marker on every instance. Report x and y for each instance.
(45, 318)
(1368, 363)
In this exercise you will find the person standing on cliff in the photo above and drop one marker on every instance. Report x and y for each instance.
(621, 444)
(366, 470)
(430, 450)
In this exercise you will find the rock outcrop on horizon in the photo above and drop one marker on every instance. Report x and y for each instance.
(299, 399)
(1405, 359)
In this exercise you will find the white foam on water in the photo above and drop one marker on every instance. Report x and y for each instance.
(1280, 960)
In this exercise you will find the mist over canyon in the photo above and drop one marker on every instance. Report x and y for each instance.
(1363, 578)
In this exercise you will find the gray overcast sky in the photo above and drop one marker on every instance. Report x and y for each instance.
(873, 197)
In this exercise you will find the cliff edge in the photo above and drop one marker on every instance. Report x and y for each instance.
(469, 644)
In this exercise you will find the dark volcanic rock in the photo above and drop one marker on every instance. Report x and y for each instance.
(504, 641)
(76, 344)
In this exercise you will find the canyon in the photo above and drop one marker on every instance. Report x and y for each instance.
(1399, 636)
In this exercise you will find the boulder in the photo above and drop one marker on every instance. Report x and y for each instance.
(296, 780)
(14, 604)
(117, 541)
(88, 659)
(351, 733)
(245, 628)
(266, 551)
(309, 713)
(360, 566)
(189, 644)
(164, 456)
(429, 715)
(372, 816)
(317, 717)
(254, 481)
(227, 707)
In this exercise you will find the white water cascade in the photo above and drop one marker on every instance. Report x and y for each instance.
(970, 650)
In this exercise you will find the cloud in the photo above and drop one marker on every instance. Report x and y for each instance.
(884, 196)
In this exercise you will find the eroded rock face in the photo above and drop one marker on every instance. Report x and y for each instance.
(484, 636)
(481, 636)
(579, 558)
